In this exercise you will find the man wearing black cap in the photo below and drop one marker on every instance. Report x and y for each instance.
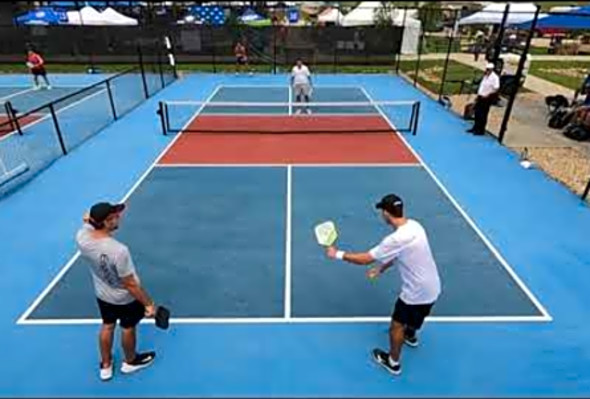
(409, 249)
(117, 287)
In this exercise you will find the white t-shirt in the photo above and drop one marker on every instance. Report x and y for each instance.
(408, 245)
(488, 85)
(300, 75)
(109, 262)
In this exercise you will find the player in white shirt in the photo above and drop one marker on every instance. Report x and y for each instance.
(407, 248)
(301, 83)
(486, 93)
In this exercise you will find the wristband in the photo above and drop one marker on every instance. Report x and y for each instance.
(340, 255)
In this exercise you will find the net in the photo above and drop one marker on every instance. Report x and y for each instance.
(289, 117)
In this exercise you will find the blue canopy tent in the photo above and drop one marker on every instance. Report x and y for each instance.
(213, 15)
(577, 19)
(42, 16)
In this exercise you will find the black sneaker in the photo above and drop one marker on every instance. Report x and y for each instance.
(411, 340)
(141, 361)
(382, 358)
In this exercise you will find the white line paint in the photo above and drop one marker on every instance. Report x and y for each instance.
(487, 242)
(269, 104)
(18, 93)
(299, 165)
(288, 243)
(301, 320)
(23, 318)
(57, 111)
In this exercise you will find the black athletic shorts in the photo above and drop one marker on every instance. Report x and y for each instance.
(411, 315)
(241, 60)
(39, 71)
(130, 314)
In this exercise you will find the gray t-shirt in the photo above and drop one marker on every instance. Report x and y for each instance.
(109, 262)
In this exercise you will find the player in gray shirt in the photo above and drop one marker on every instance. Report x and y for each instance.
(116, 285)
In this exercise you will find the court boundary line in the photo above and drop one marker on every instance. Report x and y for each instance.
(23, 318)
(288, 243)
(296, 165)
(296, 320)
(48, 115)
(545, 314)
(17, 93)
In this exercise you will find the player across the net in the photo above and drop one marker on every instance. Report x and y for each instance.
(289, 117)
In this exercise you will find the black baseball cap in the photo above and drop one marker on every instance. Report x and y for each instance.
(392, 204)
(102, 210)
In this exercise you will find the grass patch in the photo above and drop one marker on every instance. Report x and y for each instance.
(570, 74)
(431, 71)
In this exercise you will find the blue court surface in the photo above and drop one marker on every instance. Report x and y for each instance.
(257, 308)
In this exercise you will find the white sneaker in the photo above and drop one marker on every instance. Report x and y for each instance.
(142, 360)
(106, 373)
(308, 111)
(298, 112)
(48, 87)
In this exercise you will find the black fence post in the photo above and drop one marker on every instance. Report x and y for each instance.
(401, 42)
(500, 38)
(274, 45)
(420, 42)
(518, 77)
(12, 116)
(57, 129)
(160, 69)
(213, 55)
(110, 93)
(445, 68)
(142, 69)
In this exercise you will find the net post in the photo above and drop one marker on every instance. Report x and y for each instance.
(162, 117)
(12, 117)
(586, 190)
(417, 117)
(111, 101)
(142, 69)
(57, 129)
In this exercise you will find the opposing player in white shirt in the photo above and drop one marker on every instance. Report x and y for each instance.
(301, 83)
(408, 248)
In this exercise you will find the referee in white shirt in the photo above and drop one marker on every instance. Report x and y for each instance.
(486, 93)
(301, 82)
(408, 248)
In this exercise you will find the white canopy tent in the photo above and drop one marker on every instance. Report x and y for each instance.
(412, 31)
(362, 15)
(85, 16)
(493, 14)
(112, 17)
(331, 15)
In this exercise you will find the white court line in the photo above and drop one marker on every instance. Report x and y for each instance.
(282, 165)
(300, 320)
(18, 93)
(503, 262)
(23, 318)
(48, 115)
(288, 244)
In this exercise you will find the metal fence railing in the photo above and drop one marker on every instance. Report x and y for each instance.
(42, 135)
